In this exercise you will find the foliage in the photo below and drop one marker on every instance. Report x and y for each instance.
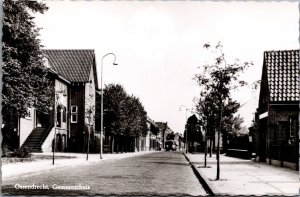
(219, 76)
(22, 152)
(25, 80)
(207, 109)
(194, 130)
(123, 114)
(217, 79)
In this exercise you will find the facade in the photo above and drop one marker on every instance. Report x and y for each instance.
(75, 83)
(164, 130)
(278, 111)
(152, 142)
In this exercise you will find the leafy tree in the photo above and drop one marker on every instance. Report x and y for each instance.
(135, 123)
(220, 78)
(207, 110)
(114, 105)
(25, 80)
(123, 114)
(193, 130)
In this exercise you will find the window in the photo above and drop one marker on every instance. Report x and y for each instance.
(74, 109)
(74, 114)
(64, 114)
(58, 116)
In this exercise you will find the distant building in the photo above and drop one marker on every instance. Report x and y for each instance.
(278, 111)
(164, 130)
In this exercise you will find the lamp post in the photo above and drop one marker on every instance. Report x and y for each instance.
(186, 136)
(101, 131)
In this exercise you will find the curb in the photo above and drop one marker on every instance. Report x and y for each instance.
(206, 187)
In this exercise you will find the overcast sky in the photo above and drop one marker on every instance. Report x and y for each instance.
(159, 44)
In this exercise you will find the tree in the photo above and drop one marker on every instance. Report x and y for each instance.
(207, 110)
(123, 114)
(114, 102)
(220, 78)
(25, 79)
(193, 130)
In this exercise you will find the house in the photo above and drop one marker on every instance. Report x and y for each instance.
(164, 130)
(75, 83)
(278, 110)
(151, 138)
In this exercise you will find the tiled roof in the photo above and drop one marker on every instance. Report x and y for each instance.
(161, 125)
(73, 65)
(283, 74)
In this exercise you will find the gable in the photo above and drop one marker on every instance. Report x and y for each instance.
(74, 65)
(282, 75)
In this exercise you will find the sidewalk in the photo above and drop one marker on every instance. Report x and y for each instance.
(246, 177)
(16, 169)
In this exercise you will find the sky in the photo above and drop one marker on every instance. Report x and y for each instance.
(159, 44)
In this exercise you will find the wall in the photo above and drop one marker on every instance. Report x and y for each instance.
(62, 100)
(26, 126)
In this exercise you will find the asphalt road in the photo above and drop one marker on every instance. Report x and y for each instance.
(158, 173)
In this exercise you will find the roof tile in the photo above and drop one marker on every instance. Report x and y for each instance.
(72, 64)
(283, 74)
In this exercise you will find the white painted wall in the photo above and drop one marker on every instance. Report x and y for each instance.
(63, 99)
(47, 145)
(26, 126)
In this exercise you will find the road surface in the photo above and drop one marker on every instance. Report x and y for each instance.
(158, 173)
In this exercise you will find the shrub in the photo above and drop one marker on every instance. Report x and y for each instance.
(5, 151)
(22, 152)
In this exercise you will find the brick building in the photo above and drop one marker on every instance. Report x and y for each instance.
(278, 111)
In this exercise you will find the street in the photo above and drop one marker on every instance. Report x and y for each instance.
(158, 173)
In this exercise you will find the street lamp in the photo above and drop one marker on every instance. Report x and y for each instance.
(186, 141)
(101, 131)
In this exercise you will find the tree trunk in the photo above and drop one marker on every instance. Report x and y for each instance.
(210, 147)
(118, 143)
(112, 143)
(218, 143)
(205, 150)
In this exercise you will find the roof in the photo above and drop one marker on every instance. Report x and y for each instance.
(151, 121)
(74, 65)
(283, 74)
(162, 126)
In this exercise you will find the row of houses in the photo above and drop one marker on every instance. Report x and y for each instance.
(75, 83)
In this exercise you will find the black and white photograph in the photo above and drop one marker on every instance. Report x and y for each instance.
(150, 98)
